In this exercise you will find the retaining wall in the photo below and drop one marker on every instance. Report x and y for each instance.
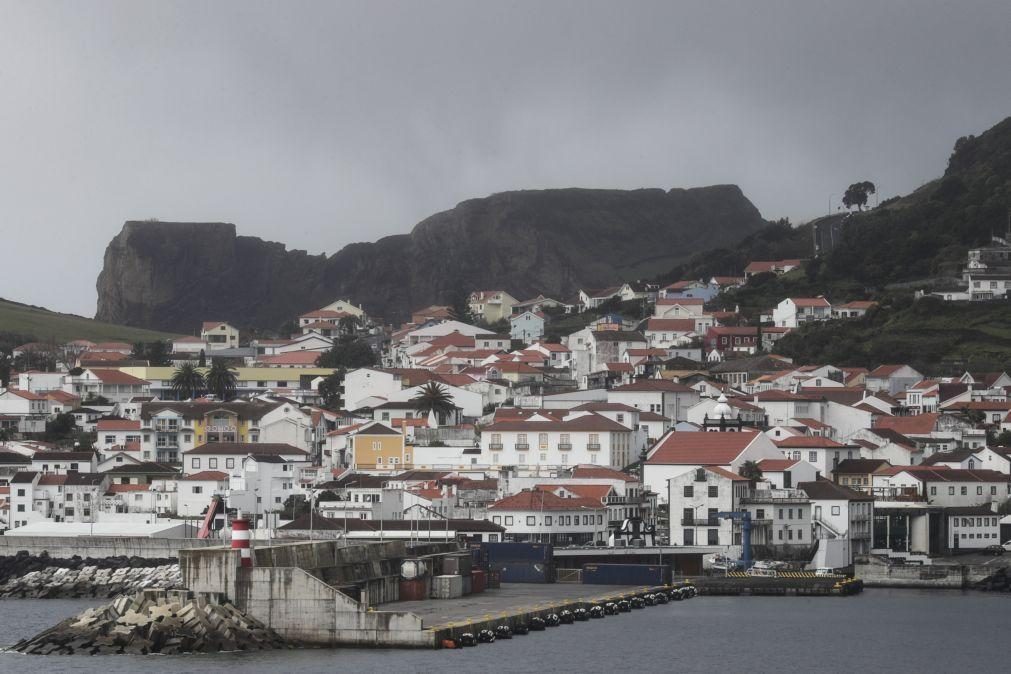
(102, 546)
(942, 576)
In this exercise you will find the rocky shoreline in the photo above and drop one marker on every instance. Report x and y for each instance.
(154, 622)
(25, 576)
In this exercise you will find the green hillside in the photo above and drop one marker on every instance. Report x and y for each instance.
(43, 325)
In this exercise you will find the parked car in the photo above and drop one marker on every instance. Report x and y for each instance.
(995, 550)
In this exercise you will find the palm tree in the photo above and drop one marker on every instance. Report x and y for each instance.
(188, 381)
(434, 397)
(751, 470)
(222, 379)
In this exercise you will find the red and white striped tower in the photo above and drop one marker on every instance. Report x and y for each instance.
(240, 540)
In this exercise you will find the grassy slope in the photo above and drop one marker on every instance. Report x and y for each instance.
(43, 324)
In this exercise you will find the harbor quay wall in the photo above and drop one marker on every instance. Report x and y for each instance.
(942, 576)
(101, 546)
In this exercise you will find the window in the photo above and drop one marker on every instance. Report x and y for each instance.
(713, 536)
(979, 490)
(542, 440)
(933, 491)
(780, 513)
(21, 492)
(689, 491)
(714, 491)
(509, 520)
(194, 462)
(197, 490)
(760, 514)
(531, 520)
(600, 519)
(547, 520)
(21, 507)
(496, 519)
(965, 491)
(812, 457)
(212, 463)
(835, 510)
(951, 491)
(229, 463)
(789, 534)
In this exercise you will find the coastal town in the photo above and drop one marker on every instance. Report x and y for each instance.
(635, 415)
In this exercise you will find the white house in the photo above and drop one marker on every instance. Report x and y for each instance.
(227, 456)
(541, 516)
(661, 396)
(795, 311)
(544, 440)
(843, 522)
(680, 452)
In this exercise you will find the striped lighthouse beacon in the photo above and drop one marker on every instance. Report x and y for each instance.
(240, 540)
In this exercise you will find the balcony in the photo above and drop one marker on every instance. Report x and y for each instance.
(564, 446)
(764, 522)
(593, 446)
(494, 446)
(521, 446)
(692, 522)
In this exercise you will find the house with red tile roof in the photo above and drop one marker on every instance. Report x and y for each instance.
(219, 335)
(796, 311)
(542, 516)
(680, 452)
(114, 385)
(892, 379)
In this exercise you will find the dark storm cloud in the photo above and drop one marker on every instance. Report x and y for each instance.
(318, 124)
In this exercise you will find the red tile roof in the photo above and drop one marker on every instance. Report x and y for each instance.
(918, 424)
(810, 301)
(597, 492)
(699, 447)
(587, 471)
(716, 470)
(117, 425)
(542, 500)
(291, 358)
(776, 465)
(586, 422)
(207, 476)
(116, 377)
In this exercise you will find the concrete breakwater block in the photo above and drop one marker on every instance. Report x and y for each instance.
(153, 622)
(90, 581)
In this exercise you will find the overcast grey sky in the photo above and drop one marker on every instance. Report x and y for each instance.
(322, 123)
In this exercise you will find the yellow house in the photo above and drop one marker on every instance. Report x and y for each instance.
(379, 447)
(219, 335)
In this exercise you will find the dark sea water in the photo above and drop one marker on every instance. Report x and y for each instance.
(878, 631)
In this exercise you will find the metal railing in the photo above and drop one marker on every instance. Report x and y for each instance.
(693, 522)
(592, 446)
(522, 446)
(564, 445)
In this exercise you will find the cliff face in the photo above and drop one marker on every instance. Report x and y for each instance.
(173, 275)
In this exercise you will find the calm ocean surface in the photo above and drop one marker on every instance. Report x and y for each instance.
(881, 630)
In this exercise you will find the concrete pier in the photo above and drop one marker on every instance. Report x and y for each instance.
(511, 604)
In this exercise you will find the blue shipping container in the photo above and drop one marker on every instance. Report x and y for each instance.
(518, 552)
(626, 574)
(525, 572)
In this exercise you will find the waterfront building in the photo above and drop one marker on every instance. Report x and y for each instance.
(540, 516)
